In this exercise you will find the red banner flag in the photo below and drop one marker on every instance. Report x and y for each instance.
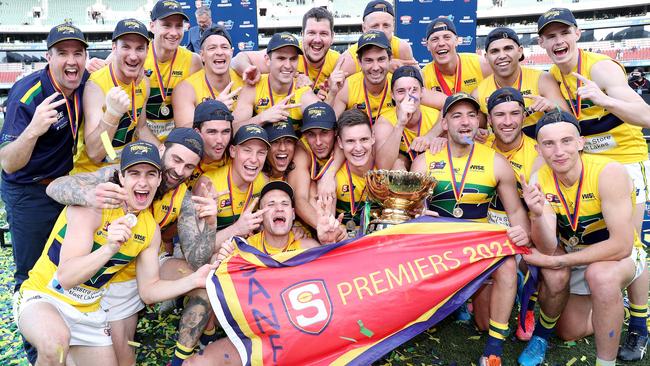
(354, 301)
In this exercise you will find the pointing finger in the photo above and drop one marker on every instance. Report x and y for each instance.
(580, 77)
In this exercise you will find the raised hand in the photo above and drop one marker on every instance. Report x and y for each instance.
(95, 64)
(249, 221)
(436, 145)
(406, 109)
(199, 278)
(533, 196)
(328, 228)
(117, 102)
(205, 202)
(518, 236)
(44, 115)
(540, 104)
(118, 233)
(590, 90)
(280, 111)
(337, 78)
(107, 195)
(227, 97)
(251, 75)
(303, 80)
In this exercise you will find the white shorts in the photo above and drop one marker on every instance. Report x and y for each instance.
(86, 329)
(640, 174)
(121, 300)
(579, 286)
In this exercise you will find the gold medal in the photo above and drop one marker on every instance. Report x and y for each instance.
(164, 110)
(573, 241)
(131, 219)
(457, 212)
(350, 225)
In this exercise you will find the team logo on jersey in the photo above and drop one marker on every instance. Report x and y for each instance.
(477, 168)
(436, 165)
(550, 197)
(345, 188)
(308, 306)
(361, 106)
(224, 203)
(263, 102)
(469, 81)
(148, 72)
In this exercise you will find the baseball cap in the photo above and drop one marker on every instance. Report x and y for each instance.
(378, 6)
(406, 71)
(250, 132)
(283, 39)
(211, 110)
(435, 26)
(165, 8)
(318, 115)
(502, 33)
(216, 30)
(556, 15)
(280, 129)
(139, 152)
(373, 38)
(130, 26)
(556, 116)
(504, 95)
(278, 184)
(457, 98)
(187, 137)
(65, 32)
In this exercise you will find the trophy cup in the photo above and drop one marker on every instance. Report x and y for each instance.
(398, 192)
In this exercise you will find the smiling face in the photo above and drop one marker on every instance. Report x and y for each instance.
(130, 51)
(281, 153)
(356, 142)
(317, 39)
(168, 32)
(178, 164)
(407, 87)
(442, 45)
(283, 64)
(375, 63)
(506, 120)
(560, 144)
(381, 21)
(503, 56)
(216, 53)
(248, 158)
(140, 182)
(461, 123)
(560, 42)
(278, 219)
(216, 135)
(320, 141)
(67, 61)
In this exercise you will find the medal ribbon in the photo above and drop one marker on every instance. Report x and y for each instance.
(73, 119)
(412, 154)
(209, 86)
(457, 81)
(519, 81)
(314, 166)
(264, 245)
(249, 194)
(163, 89)
(575, 103)
(573, 217)
(367, 100)
(458, 192)
(353, 202)
(268, 82)
(133, 115)
(306, 66)
(163, 222)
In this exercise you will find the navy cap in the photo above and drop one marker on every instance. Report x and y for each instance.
(283, 39)
(378, 6)
(318, 115)
(139, 152)
(165, 8)
(280, 129)
(504, 95)
(440, 24)
(556, 15)
(277, 184)
(406, 71)
(187, 137)
(211, 110)
(215, 30)
(457, 98)
(250, 132)
(502, 33)
(373, 38)
(556, 116)
(65, 32)
(130, 26)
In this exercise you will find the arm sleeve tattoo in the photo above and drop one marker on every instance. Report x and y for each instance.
(196, 237)
(74, 190)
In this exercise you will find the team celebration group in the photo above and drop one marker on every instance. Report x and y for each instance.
(125, 179)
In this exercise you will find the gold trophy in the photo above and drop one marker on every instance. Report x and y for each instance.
(398, 192)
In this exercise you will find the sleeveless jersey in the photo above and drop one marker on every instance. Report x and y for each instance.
(258, 242)
(357, 98)
(591, 224)
(394, 47)
(527, 84)
(160, 116)
(230, 206)
(203, 168)
(480, 183)
(263, 100)
(203, 91)
(521, 160)
(85, 297)
(319, 76)
(470, 70)
(126, 126)
(605, 134)
(429, 119)
(344, 199)
(317, 167)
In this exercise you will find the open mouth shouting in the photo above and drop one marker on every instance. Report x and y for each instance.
(141, 198)
(281, 161)
(560, 51)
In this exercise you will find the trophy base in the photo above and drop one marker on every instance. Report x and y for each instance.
(376, 225)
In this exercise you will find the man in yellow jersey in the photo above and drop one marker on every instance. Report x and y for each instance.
(398, 128)
(582, 205)
(115, 99)
(58, 307)
(611, 116)
(166, 65)
(503, 52)
(318, 58)
(464, 190)
(276, 97)
(379, 15)
(279, 160)
(215, 81)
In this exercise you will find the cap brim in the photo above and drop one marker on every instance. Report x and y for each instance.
(313, 126)
(539, 31)
(281, 136)
(253, 138)
(380, 45)
(157, 166)
(131, 32)
(285, 45)
(470, 100)
(174, 13)
(277, 185)
(68, 39)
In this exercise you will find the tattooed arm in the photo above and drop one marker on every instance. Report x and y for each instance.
(197, 235)
(81, 189)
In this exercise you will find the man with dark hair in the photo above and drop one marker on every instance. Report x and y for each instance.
(204, 21)
(638, 81)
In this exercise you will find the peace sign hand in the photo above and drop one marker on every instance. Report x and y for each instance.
(249, 221)
(328, 228)
(280, 111)
(227, 97)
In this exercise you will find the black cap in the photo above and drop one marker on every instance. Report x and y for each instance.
(436, 26)
(211, 110)
(406, 71)
(130, 26)
(318, 115)
(373, 38)
(556, 15)
(457, 98)
(65, 32)
(504, 95)
(250, 132)
(556, 116)
(165, 8)
(215, 30)
(187, 137)
(283, 39)
(278, 184)
(280, 129)
(502, 33)
(378, 5)
(139, 152)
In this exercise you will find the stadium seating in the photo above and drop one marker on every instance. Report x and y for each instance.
(17, 11)
(75, 10)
